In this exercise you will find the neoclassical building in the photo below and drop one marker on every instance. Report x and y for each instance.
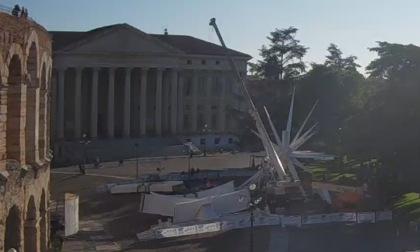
(25, 71)
(117, 82)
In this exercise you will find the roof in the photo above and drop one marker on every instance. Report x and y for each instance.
(187, 44)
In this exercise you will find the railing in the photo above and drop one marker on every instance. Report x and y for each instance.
(8, 10)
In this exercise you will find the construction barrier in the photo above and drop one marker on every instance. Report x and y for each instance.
(243, 221)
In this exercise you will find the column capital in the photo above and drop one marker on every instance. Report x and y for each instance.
(96, 69)
(79, 68)
(144, 69)
(160, 69)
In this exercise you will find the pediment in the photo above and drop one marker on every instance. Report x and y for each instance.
(121, 39)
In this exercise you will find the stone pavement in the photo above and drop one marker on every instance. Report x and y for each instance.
(91, 237)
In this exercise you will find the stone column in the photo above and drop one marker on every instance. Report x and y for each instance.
(209, 82)
(222, 105)
(43, 123)
(53, 109)
(94, 106)
(174, 88)
(111, 89)
(180, 103)
(194, 101)
(158, 110)
(165, 102)
(143, 92)
(3, 127)
(127, 88)
(32, 125)
(61, 79)
(78, 104)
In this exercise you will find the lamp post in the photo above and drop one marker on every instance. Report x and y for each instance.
(206, 130)
(85, 141)
(252, 206)
(137, 160)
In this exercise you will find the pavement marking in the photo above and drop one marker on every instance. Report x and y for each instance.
(93, 175)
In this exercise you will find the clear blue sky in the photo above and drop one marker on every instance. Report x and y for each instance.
(354, 25)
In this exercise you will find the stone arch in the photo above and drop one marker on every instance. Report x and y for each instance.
(16, 101)
(42, 113)
(3, 70)
(32, 60)
(30, 234)
(43, 221)
(32, 101)
(12, 237)
(15, 50)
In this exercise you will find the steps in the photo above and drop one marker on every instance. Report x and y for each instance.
(72, 152)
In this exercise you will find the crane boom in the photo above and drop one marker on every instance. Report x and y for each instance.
(268, 145)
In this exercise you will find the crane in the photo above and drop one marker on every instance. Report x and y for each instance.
(274, 163)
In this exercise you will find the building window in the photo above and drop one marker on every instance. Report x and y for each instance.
(217, 140)
(213, 121)
(203, 62)
(189, 62)
(188, 140)
(202, 86)
(230, 140)
(214, 107)
(188, 86)
(186, 121)
(217, 62)
(202, 141)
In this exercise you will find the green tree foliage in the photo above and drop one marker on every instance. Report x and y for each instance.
(282, 59)
(388, 128)
(336, 60)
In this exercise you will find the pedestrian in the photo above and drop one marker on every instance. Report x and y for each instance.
(120, 162)
(16, 11)
(22, 12)
(97, 164)
(82, 169)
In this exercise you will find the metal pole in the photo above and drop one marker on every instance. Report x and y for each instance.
(137, 161)
(251, 245)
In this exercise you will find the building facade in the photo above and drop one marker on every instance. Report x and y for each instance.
(117, 82)
(25, 71)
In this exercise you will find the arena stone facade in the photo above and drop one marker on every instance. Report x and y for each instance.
(25, 74)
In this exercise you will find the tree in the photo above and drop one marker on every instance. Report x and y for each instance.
(335, 59)
(282, 59)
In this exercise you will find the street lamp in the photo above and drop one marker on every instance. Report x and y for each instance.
(137, 160)
(206, 130)
(252, 206)
(85, 141)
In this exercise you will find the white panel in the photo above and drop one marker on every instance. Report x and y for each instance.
(225, 188)
(231, 202)
(187, 211)
(160, 204)
(71, 214)
(165, 186)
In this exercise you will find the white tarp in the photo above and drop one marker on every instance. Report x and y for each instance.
(154, 203)
(71, 214)
(231, 202)
(225, 188)
(165, 186)
(187, 211)
(222, 204)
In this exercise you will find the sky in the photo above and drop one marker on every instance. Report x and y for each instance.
(354, 25)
